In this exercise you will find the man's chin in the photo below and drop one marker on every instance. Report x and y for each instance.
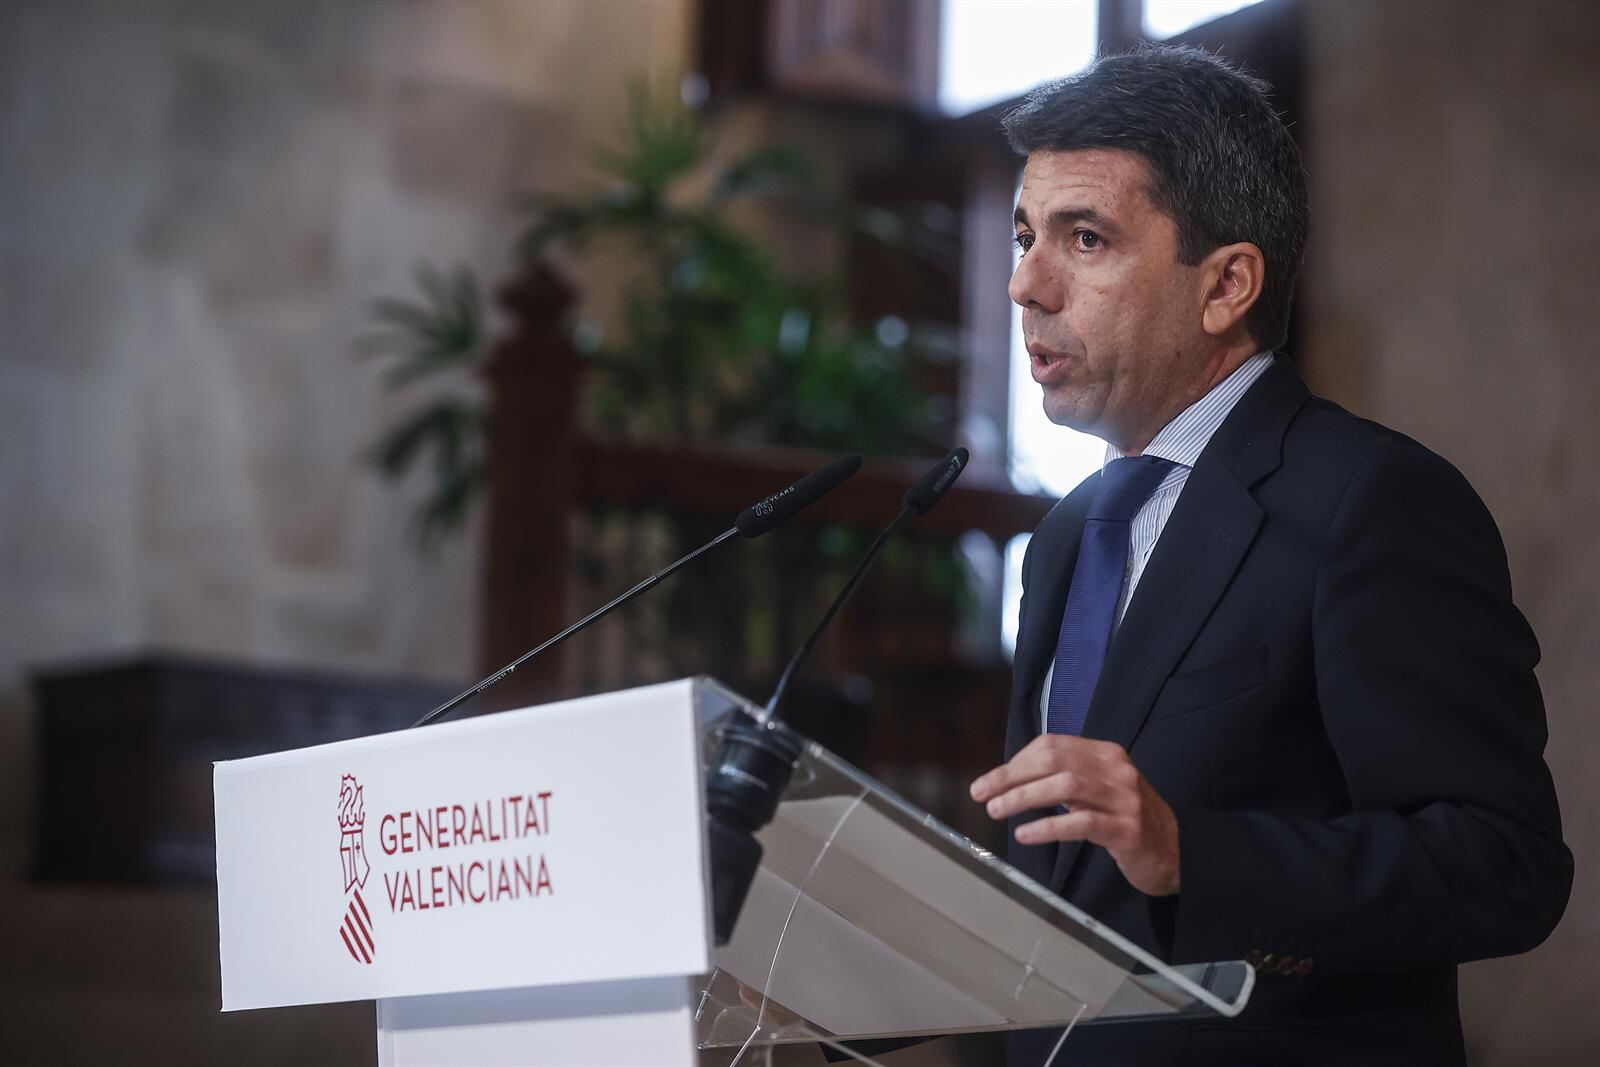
(1071, 416)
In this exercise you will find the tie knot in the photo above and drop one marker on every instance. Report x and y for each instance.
(1125, 485)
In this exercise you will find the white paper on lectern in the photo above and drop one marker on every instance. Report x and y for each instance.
(620, 836)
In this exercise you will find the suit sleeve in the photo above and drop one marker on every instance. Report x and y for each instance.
(1452, 850)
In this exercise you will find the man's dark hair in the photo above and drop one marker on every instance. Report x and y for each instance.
(1225, 168)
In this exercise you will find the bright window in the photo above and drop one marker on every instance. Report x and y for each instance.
(992, 50)
(1168, 18)
(1011, 593)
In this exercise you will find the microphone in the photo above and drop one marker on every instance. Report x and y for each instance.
(753, 521)
(778, 508)
(754, 762)
(921, 497)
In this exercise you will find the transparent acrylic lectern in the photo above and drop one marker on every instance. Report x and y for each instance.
(870, 919)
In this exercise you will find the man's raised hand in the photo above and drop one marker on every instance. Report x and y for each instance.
(1095, 794)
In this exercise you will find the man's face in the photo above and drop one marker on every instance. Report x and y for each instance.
(1110, 315)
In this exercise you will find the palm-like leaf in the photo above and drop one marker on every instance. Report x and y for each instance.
(715, 340)
(443, 331)
(437, 337)
(663, 142)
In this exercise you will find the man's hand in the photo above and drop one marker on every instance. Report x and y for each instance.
(1106, 801)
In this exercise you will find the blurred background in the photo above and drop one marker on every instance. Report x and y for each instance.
(350, 347)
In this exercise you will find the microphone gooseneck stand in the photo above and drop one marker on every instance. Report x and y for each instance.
(753, 521)
(605, 609)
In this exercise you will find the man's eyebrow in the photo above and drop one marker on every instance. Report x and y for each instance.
(1063, 217)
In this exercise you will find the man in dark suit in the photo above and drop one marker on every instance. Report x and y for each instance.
(1272, 698)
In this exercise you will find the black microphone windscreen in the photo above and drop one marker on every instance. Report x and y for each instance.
(757, 519)
(921, 498)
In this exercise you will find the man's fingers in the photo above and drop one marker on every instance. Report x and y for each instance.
(1045, 755)
(1003, 777)
(1092, 826)
(1074, 789)
(1034, 760)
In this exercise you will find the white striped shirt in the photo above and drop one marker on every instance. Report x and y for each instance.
(1181, 441)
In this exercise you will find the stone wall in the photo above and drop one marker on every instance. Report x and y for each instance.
(1454, 164)
(200, 198)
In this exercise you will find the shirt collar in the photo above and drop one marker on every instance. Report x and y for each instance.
(1183, 439)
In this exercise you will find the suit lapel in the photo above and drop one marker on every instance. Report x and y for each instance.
(1200, 548)
(1204, 540)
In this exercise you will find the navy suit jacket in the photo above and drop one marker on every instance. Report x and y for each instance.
(1322, 672)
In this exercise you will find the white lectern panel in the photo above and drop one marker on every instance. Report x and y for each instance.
(559, 844)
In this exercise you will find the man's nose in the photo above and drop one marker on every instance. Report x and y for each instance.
(1031, 287)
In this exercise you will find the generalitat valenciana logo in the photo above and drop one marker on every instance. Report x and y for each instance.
(356, 930)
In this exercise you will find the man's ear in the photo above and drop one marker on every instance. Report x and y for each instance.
(1234, 275)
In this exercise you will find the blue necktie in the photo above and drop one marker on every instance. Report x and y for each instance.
(1097, 581)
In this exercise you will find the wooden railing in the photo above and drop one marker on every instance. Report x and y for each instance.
(544, 470)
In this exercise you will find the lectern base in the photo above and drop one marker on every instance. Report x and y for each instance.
(649, 1020)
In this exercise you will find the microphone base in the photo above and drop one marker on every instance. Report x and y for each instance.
(743, 788)
(735, 856)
